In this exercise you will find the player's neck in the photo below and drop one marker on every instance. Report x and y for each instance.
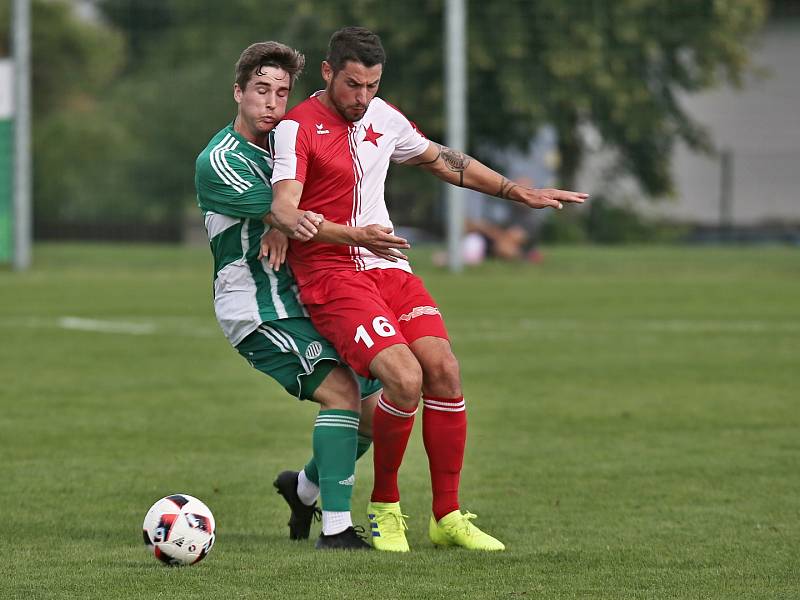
(257, 138)
(325, 99)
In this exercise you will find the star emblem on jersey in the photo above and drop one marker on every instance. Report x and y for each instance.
(370, 135)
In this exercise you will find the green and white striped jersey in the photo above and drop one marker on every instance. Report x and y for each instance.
(233, 191)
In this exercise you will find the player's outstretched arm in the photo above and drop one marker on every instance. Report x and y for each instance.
(462, 170)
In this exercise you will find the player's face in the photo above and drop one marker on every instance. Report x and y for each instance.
(353, 88)
(262, 102)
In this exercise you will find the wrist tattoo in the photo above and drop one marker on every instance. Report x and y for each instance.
(505, 189)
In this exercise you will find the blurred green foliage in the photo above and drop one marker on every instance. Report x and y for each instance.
(126, 99)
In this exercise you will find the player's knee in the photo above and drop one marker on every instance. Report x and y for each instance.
(405, 386)
(443, 371)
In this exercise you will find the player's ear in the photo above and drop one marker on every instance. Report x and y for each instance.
(237, 93)
(327, 71)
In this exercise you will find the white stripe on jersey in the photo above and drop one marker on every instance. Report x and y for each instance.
(280, 307)
(259, 148)
(221, 147)
(222, 169)
(216, 223)
(296, 291)
(254, 168)
(285, 165)
(238, 178)
(358, 173)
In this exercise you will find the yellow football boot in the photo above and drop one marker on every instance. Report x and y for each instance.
(456, 529)
(388, 525)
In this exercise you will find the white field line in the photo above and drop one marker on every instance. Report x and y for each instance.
(165, 326)
(96, 325)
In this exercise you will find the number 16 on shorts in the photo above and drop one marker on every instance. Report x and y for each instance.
(380, 325)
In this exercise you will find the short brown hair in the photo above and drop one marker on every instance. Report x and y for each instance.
(269, 54)
(355, 44)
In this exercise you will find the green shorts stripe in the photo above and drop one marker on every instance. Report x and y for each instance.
(285, 343)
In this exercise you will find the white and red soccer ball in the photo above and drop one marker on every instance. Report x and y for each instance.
(179, 529)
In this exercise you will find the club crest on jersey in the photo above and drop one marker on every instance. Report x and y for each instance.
(314, 350)
(321, 129)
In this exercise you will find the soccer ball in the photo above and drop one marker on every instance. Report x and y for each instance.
(179, 529)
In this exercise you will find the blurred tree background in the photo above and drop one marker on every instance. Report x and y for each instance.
(127, 92)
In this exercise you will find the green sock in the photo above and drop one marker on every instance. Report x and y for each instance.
(312, 473)
(335, 440)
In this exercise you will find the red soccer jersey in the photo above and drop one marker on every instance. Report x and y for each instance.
(343, 167)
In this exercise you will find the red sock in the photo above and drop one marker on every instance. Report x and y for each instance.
(391, 428)
(444, 431)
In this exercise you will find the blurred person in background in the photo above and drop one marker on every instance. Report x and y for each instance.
(497, 229)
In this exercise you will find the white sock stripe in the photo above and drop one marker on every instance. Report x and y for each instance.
(395, 411)
(337, 418)
(342, 421)
(327, 415)
(429, 407)
(337, 425)
(443, 404)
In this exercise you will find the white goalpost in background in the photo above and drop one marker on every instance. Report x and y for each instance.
(455, 49)
(22, 171)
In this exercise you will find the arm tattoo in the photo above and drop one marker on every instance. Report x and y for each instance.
(433, 160)
(505, 188)
(455, 161)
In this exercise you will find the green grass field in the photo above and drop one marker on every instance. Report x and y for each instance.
(634, 431)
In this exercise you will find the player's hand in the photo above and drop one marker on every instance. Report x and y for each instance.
(306, 226)
(274, 244)
(382, 242)
(546, 198)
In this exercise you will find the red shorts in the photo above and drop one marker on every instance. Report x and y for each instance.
(363, 312)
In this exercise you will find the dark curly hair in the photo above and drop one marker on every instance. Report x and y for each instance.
(268, 54)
